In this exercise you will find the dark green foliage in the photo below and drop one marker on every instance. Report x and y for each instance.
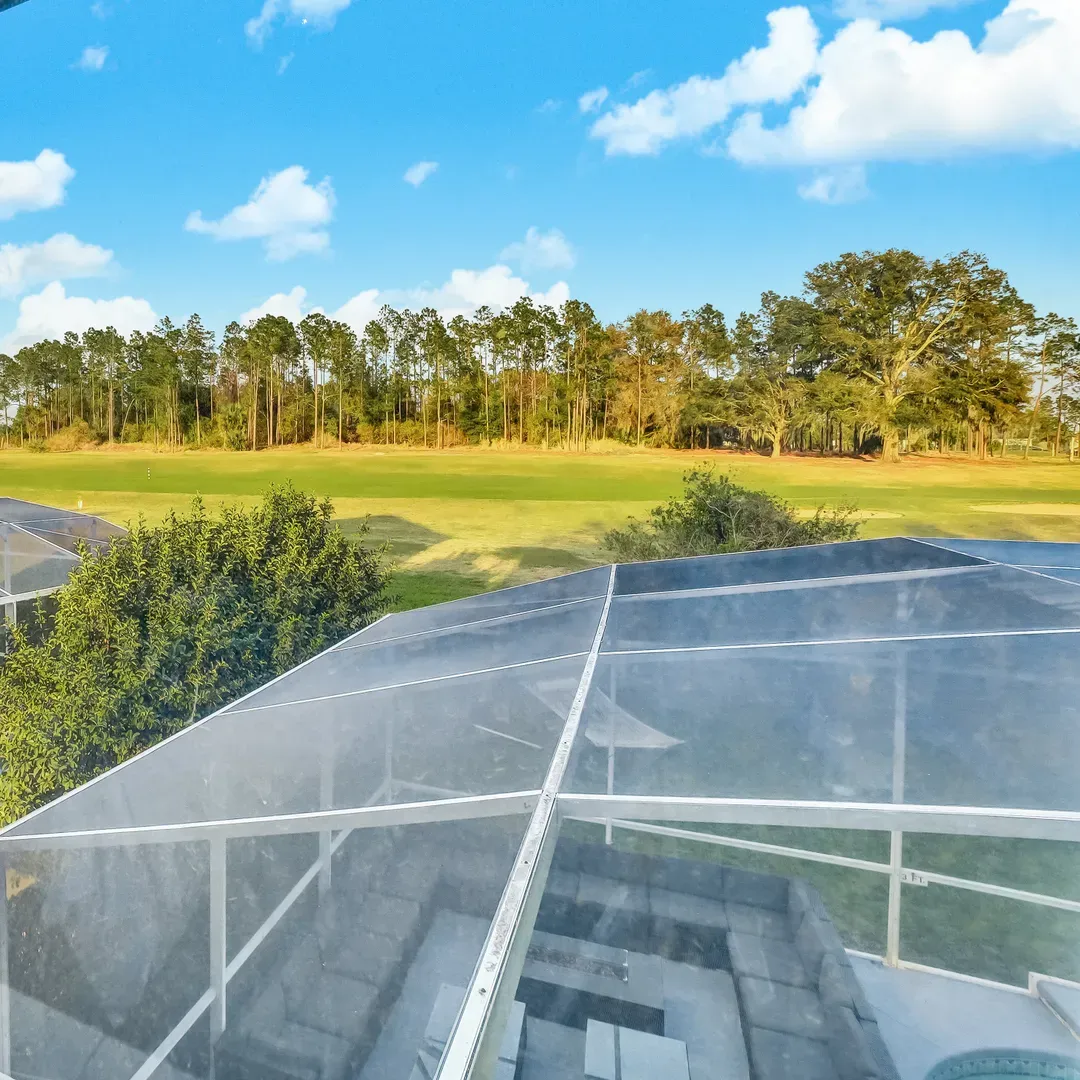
(715, 515)
(169, 624)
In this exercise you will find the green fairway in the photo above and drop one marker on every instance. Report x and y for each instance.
(459, 521)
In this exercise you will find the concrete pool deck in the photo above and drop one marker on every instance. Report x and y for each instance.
(925, 1018)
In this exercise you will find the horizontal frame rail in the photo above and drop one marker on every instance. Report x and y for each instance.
(364, 817)
(449, 677)
(928, 877)
(801, 584)
(811, 643)
(543, 609)
(872, 817)
(7, 599)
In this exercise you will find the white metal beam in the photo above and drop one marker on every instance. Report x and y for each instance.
(474, 1041)
(364, 817)
(449, 677)
(879, 817)
(889, 639)
(543, 608)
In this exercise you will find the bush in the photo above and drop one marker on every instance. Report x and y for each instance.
(715, 515)
(168, 624)
(75, 437)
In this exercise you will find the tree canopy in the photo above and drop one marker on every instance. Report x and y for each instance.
(880, 351)
(168, 624)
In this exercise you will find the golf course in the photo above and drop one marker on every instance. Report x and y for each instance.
(459, 522)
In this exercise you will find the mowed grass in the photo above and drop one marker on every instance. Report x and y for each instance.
(458, 522)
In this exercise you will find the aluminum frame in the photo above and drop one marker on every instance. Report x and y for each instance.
(472, 1047)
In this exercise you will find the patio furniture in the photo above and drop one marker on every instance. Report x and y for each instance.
(570, 981)
(619, 1053)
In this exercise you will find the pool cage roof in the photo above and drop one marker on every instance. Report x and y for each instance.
(897, 684)
(41, 546)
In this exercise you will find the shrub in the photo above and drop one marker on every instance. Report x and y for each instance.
(714, 515)
(168, 624)
(75, 437)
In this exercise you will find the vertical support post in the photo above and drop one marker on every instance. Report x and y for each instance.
(7, 558)
(896, 838)
(326, 802)
(390, 756)
(218, 978)
(611, 751)
(5, 994)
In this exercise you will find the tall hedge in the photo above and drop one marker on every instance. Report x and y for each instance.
(168, 624)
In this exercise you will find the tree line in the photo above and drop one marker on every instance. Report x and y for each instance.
(881, 352)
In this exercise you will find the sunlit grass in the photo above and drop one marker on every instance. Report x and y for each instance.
(456, 522)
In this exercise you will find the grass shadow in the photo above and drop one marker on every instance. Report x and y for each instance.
(542, 558)
(402, 536)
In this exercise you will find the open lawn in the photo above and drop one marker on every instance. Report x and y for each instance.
(458, 522)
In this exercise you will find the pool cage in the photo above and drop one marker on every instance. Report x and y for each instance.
(371, 866)
(40, 549)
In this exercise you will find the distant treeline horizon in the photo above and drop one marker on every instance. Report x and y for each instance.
(883, 352)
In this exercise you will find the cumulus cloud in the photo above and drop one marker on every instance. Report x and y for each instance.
(319, 13)
(844, 185)
(287, 213)
(360, 309)
(772, 73)
(61, 256)
(881, 95)
(891, 10)
(418, 173)
(51, 313)
(540, 251)
(293, 305)
(93, 58)
(875, 93)
(496, 287)
(591, 100)
(33, 185)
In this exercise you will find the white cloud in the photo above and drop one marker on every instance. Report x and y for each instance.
(360, 309)
(843, 185)
(93, 58)
(496, 287)
(591, 100)
(549, 105)
(286, 212)
(891, 10)
(773, 73)
(540, 251)
(875, 93)
(284, 62)
(51, 313)
(882, 95)
(319, 13)
(33, 185)
(61, 256)
(418, 173)
(99, 10)
(293, 305)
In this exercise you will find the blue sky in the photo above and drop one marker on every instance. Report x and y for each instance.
(704, 174)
